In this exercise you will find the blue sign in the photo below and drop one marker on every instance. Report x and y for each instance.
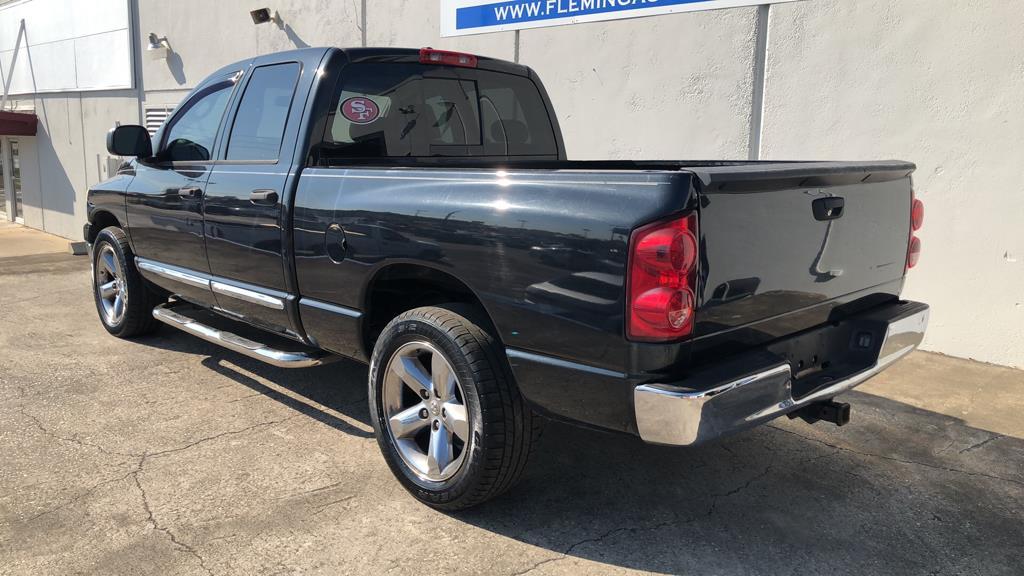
(459, 17)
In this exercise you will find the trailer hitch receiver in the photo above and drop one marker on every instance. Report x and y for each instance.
(837, 413)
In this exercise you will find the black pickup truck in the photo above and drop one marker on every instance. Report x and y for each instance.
(415, 209)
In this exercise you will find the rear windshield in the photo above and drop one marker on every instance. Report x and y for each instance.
(415, 110)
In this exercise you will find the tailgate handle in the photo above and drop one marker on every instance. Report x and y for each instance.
(828, 208)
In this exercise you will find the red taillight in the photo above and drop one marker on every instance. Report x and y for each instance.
(446, 58)
(913, 252)
(916, 221)
(662, 277)
(916, 214)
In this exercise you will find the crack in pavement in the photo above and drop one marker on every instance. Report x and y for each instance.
(595, 539)
(323, 507)
(85, 444)
(246, 397)
(156, 525)
(901, 460)
(79, 497)
(151, 518)
(142, 459)
(737, 490)
(745, 485)
(982, 443)
(310, 491)
(216, 437)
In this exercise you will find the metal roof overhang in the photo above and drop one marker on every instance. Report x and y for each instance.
(18, 124)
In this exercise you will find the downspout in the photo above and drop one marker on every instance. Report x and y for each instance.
(758, 87)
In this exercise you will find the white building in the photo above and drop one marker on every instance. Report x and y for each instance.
(937, 82)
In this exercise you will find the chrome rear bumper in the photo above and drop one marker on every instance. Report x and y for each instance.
(679, 415)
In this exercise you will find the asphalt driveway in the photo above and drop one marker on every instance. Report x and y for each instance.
(169, 456)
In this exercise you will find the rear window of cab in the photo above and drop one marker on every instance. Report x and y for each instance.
(416, 110)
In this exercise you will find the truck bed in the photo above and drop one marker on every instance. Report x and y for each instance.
(544, 244)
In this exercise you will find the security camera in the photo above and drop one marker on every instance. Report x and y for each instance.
(263, 15)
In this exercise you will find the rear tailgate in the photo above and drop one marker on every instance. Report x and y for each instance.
(787, 246)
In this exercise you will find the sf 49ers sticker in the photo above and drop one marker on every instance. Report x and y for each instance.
(360, 110)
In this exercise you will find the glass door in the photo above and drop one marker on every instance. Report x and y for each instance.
(4, 210)
(15, 168)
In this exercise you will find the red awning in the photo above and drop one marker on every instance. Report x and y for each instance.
(18, 124)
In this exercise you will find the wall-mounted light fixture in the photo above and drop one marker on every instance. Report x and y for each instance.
(264, 15)
(158, 48)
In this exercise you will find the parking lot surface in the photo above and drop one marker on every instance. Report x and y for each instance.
(167, 455)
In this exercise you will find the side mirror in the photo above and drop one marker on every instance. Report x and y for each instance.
(129, 140)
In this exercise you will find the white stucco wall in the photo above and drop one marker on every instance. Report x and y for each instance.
(68, 154)
(940, 84)
(415, 24)
(669, 87)
(205, 35)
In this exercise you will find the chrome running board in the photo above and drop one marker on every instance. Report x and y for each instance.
(236, 343)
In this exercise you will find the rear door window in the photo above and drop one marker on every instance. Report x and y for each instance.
(260, 121)
(415, 110)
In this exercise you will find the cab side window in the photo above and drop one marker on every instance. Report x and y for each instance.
(190, 135)
(260, 121)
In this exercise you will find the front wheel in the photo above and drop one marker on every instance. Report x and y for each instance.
(448, 416)
(123, 299)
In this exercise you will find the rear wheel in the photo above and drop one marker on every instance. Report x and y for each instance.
(448, 416)
(123, 299)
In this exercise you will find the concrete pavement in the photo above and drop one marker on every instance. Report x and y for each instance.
(17, 240)
(167, 455)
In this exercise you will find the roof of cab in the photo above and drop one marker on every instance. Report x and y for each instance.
(412, 55)
(401, 55)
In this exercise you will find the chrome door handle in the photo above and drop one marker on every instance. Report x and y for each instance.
(263, 197)
(190, 192)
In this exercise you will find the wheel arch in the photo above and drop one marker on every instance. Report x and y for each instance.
(101, 219)
(400, 287)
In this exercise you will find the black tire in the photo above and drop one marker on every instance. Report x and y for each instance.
(502, 427)
(137, 318)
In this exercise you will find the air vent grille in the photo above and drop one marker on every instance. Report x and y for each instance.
(155, 117)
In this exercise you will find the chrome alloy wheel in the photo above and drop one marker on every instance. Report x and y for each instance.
(426, 411)
(110, 285)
